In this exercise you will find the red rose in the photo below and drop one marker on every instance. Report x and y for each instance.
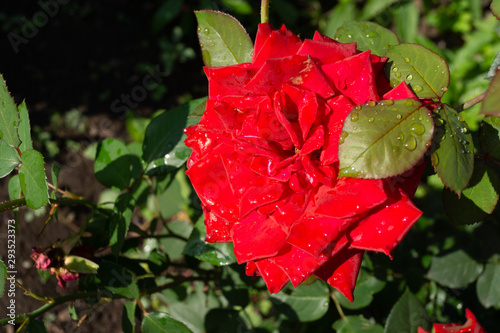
(470, 326)
(265, 164)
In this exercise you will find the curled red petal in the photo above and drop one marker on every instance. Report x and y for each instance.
(274, 277)
(327, 51)
(274, 44)
(341, 271)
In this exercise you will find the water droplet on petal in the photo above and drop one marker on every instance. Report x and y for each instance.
(411, 143)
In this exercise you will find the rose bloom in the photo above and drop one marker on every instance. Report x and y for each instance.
(470, 326)
(265, 162)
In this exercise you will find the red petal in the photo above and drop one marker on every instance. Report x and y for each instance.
(341, 106)
(381, 231)
(257, 236)
(327, 51)
(297, 264)
(275, 44)
(228, 80)
(341, 271)
(218, 229)
(282, 107)
(318, 173)
(470, 326)
(354, 77)
(402, 91)
(350, 197)
(320, 37)
(314, 233)
(408, 182)
(274, 277)
(315, 140)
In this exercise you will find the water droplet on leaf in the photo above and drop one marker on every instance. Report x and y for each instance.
(417, 88)
(417, 128)
(354, 116)
(409, 77)
(411, 143)
(206, 31)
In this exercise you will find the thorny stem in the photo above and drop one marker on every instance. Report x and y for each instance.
(264, 11)
(471, 102)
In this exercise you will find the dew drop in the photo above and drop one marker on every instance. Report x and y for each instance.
(206, 31)
(395, 149)
(407, 59)
(358, 107)
(409, 77)
(387, 102)
(371, 34)
(354, 116)
(371, 103)
(401, 137)
(199, 29)
(399, 116)
(444, 89)
(398, 75)
(411, 143)
(435, 159)
(395, 69)
(349, 36)
(417, 88)
(409, 102)
(370, 120)
(417, 128)
(438, 122)
(343, 135)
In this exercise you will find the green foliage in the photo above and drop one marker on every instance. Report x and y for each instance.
(3, 277)
(384, 139)
(358, 323)
(407, 315)
(33, 179)
(162, 322)
(454, 270)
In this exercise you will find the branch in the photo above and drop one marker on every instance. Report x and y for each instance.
(471, 103)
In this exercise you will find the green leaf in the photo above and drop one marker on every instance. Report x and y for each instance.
(373, 8)
(454, 270)
(384, 140)
(407, 315)
(363, 293)
(453, 151)
(494, 67)
(495, 8)
(354, 324)
(128, 317)
(9, 117)
(488, 288)
(24, 130)
(219, 254)
(79, 264)
(112, 164)
(156, 322)
(174, 246)
(424, 71)
(3, 277)
(14, 188)
(304, 303)
(489, 137)
(36, 326)
(406, 19)
(223, 40)
(491, 101)
(367, 35)
(9, 159)
(118, 280)
(72, 312)
(33, 179)
(478, 200)
(120, 221)
(345, 11)
(54, 173)
(241, 7)
(166, 131)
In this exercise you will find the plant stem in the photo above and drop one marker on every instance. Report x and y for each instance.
(16, 203)
(337, 305)
(264, 11)
(472, 102)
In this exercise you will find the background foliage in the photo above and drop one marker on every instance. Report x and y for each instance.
(83, 74)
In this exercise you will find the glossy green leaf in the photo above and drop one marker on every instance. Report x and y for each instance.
(495, 8)
(424, 71)
(385, 139)
(9, 116)
(372, 8)
(488, 288)
(354, 324)
(453, 151)
(9, 159)
(128, 317)
(24, 130)
(454, 270)
(407, 315)
(14, 188)
(158, 322)
(406, 20)
(304, 303)
(219, 254)
(79, 264)
(117, 279)
(36, 326)
(120, 221)
(478, 200)
(223, 40)
(3, 277)
(367, 35)
(33, 179)
(489, 137)
(363, 293)
(112, 163)
(165, 132)
(491, 102)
